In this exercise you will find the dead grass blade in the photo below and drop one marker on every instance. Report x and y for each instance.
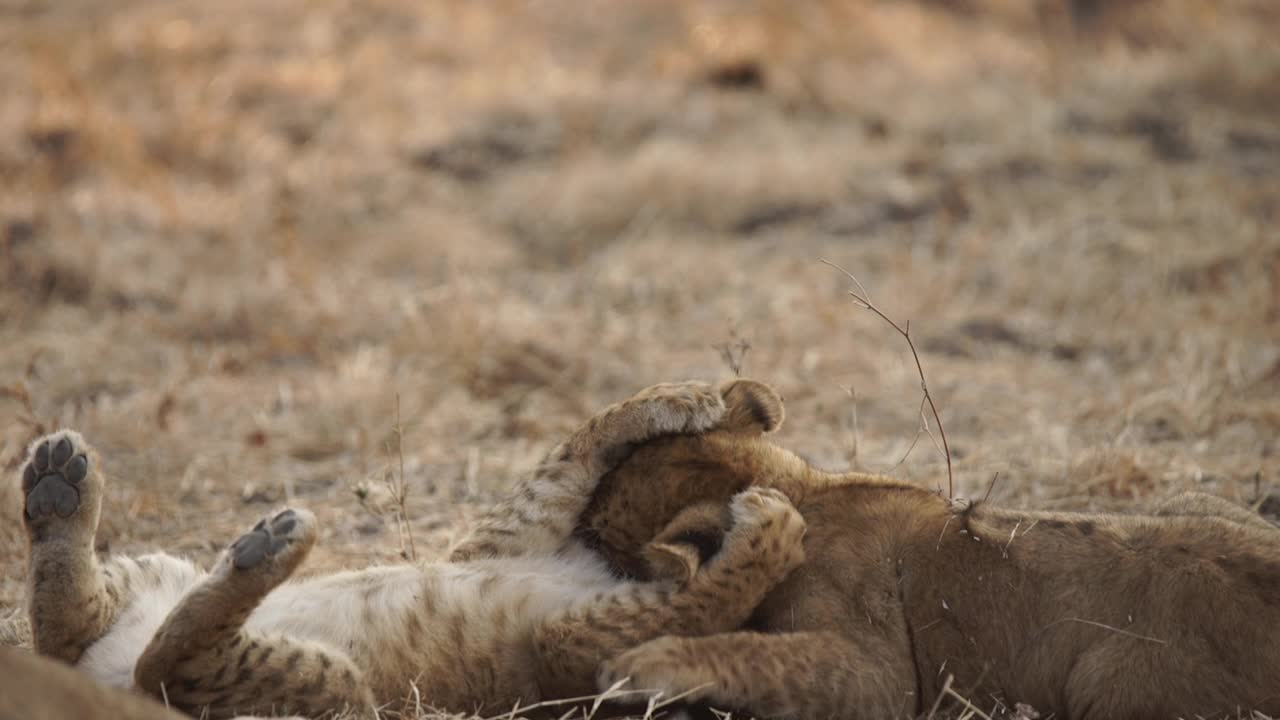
(399, 489)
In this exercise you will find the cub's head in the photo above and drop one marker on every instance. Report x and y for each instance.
(664, 509)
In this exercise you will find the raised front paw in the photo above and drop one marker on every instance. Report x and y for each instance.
(667, 409)
(767, 528)
(688, 407)
(274, 547)
(57, 482)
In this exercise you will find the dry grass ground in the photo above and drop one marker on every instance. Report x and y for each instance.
(234, 235)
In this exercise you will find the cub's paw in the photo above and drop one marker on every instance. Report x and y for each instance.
(274, 547)
(687, 407)
(658, 669)
(766, 526)
(58, 484)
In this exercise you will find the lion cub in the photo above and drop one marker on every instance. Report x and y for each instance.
(1174, 613)
(523, 613)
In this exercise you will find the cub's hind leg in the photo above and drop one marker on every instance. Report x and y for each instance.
(71, 599)
(202, 658)
(763, 545)
(540, 513)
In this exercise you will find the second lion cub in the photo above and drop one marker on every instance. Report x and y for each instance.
(522, 614)
(1172, 613)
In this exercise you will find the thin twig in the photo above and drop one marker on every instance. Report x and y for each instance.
(734, 351)
(1104, 626)
(854, 439)
(863, 299)
(417, 698)
(612, 692)
(400, 490)
(968, 705)
(1259, 497)
(994, 478)
(944, 531)
(1012, 534)
(946, 687)
(677, 698)
(616, 687)
(914, 441)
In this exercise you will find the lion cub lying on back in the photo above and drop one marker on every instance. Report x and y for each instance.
(522, 613)
(1175, 613)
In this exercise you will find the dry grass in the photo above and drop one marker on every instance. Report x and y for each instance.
(233, 234)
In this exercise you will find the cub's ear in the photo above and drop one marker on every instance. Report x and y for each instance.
(751, 407)
(692, 537)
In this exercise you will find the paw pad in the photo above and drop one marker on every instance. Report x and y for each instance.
(266, 540)
(53, 478)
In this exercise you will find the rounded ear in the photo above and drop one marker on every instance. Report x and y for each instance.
(671, 562)
(688, 541)
(751, 407)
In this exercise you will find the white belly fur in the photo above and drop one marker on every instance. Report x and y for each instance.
(328, 609)
(110, 660)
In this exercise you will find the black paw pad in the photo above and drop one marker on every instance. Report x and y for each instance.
(41, 458)
(284, 523)
(29, 478)
(61, 452)
(267, 539)
(52, 479)
(76, 470)
(52, 495)
(250, 550)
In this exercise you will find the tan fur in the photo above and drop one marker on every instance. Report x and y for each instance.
(1171, 613)
(36, 688)
(523, 613)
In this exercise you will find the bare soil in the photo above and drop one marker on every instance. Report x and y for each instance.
(239, 239)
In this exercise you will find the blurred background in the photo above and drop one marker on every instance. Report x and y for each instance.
(268, 252)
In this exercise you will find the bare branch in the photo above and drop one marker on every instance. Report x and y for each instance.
(400, 491)
(990, 487)
(863, 300)
(919, 431)
(734, 351)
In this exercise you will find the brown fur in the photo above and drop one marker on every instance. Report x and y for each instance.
(522, 613)
(36, 688)
(1170, 613)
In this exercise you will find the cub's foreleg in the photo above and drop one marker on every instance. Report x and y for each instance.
(788, 675)
(540, 513)
(203, 660)
(762, 547)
